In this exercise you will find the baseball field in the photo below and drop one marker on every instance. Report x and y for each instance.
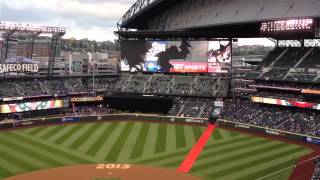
(227, 155)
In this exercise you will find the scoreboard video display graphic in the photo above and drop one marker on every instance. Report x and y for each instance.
(306, 25)
(176, 56)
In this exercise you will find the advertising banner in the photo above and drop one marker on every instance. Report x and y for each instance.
(312, 140)
(283, 102)
(86, 99)
(70, 119)
(13, 99)
(24, 123)
(192, 67)
(310, 91)
(32, 106)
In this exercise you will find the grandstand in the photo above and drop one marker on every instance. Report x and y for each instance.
(177, 68)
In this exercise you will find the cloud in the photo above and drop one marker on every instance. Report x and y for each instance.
(76, 15)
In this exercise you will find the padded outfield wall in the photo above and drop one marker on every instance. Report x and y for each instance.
(159, 119)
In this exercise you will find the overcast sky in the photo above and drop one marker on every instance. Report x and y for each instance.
(92, 19)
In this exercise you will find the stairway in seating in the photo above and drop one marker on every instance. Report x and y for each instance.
(316, 78)
(217, 85)
(286, 121)
(298, 63)
(147, 84)
(127, 83)
(256, 118)
(193, 84)
(303, 58)
(170, 84)
(44, 88)
(279, 57)
(19, 89)
(316, 127)
(181, 109)
(202, 109)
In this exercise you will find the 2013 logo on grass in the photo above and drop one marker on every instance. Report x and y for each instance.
(113, 166)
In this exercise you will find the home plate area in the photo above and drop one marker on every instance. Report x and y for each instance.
(105, 172)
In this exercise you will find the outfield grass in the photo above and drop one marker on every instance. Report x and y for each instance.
(228, 155)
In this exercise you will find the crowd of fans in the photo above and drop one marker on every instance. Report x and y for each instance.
(296, 64)
(86, 110)
(36, 87)
(192, 107)
(203, 86)
(133, 84)
(303, 121)
(316, 174)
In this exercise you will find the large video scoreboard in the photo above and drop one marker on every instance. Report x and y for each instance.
(176, 56)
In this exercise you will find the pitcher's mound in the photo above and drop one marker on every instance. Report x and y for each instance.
(105, 172)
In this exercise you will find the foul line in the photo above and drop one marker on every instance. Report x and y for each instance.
(187, 163)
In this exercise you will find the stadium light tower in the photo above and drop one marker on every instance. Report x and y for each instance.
(8, 29)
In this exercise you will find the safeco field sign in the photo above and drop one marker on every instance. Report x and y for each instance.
(5, 68)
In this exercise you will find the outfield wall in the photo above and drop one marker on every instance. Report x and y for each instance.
(158, 119)
(265, 130)
(103, 118)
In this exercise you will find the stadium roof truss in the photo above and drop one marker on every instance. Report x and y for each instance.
(214, 18)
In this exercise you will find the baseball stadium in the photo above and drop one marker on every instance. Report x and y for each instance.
(182, 102)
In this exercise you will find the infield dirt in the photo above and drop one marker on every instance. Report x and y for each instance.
(92, 172)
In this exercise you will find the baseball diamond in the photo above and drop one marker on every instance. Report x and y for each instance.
(160, 90)
(227, 154)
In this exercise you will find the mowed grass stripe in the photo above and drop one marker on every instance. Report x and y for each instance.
(51, 149)
(151, 141)
(272, 162)
(5, 171)
(52, 132)
(161, 139)
(173, 161)
(250, 151)
(171, 139)
(140, 142)
(38, 149)
(18, 162)
(25, 156)
(9, 169)
(82, 138)
(68, 134)
(189, 136)
(279, 175)
(233, 134)
(236, 174)
(180, 137)
(210, 152)
(116, 148)
(103, 137)
(197, 132)
(29, 152)
(217, 135)
(184, 152)
(251, 164)
(220, 150)
(35, 131)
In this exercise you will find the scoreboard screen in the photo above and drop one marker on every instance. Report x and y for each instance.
(285, 26)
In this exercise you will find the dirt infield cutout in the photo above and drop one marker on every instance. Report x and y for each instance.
(105, 172)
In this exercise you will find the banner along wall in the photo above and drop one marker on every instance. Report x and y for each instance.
(33, 106)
